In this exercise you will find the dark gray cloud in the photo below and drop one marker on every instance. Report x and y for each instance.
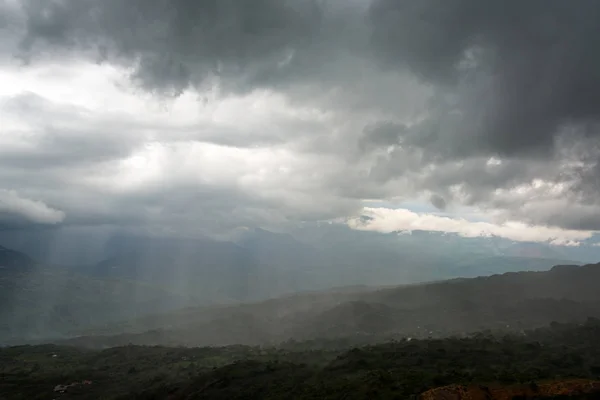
(438, 201)
(514, 74)
(176, 44)
(475, 101)
(522, 71)
(314, 51)
(518, 81)
(578, 217)
(382, 134)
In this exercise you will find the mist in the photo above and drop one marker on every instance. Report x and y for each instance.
(166, 282)
(288, 169)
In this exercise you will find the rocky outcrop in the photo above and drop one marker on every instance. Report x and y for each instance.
(571, 388)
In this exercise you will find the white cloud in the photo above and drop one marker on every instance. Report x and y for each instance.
(82, 138)
(32, 210)
(78, 135)
(388, 220)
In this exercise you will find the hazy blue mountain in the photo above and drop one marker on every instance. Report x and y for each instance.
(65, 246)
(443, 243)
(143, 274)
(277, 249)
(211, 271)
(83, 246)
(14, 261)
(127, 274)
(260, 264)
(38, 300)
(506, 302)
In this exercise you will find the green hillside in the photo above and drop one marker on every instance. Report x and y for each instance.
(328, 370)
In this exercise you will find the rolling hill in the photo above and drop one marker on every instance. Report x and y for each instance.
(506, 302)
(142, 275)
(560, 361)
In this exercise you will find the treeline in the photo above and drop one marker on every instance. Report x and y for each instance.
(317, 370)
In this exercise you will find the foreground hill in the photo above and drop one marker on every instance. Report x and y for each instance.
(562, 361)
(508, 302)
(571, 388)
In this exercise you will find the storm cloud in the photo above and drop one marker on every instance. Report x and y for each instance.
(294, 110)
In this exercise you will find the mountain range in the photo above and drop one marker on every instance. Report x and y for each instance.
(510, 302)
(39, 301)
(265, 264)
(128, 276)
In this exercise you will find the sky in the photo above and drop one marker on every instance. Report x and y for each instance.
(479, 118)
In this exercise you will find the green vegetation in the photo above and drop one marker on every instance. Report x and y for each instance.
(350, 343)
(323, 370)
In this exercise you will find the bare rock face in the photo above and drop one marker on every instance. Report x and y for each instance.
(569, 388)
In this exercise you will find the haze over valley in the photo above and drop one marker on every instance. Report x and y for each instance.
(323, 199)
(283, 286)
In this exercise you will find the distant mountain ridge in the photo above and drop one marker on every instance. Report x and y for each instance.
(14, 260)
(146, 274)
(79, 247)
(211, 271)
(507, 302)
(37, 300)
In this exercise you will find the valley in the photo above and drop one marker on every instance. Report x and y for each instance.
(266, 287)
(119, 330)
